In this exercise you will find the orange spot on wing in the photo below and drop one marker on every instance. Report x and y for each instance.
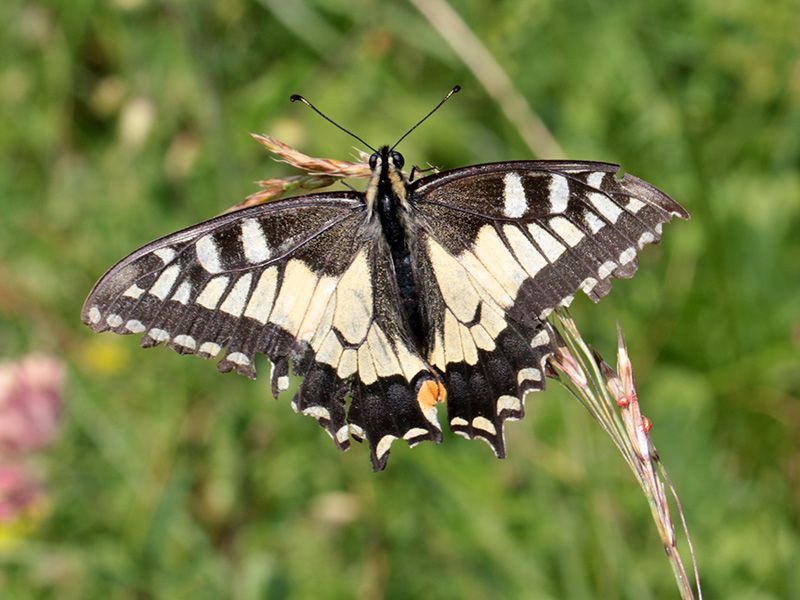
(430, 392)
(442, 391)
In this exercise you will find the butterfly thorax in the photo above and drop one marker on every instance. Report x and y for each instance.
(386, 197)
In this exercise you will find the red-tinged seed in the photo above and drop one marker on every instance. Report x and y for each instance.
(623, 401)
(646, 424)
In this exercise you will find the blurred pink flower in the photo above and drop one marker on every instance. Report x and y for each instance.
(20, 493)
(30, 403)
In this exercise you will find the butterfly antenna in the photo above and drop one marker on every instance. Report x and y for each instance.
(299, 98)
(455, 90)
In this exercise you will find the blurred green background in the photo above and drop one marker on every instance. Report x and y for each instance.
(123, 120)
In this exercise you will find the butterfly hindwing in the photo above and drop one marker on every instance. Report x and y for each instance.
(306, 280)
(392, 390)
(499, 247)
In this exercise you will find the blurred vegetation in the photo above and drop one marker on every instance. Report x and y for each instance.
(125, 120)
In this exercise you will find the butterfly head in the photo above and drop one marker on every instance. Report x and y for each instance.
(386, 156)
(386, 164)
(387, 178)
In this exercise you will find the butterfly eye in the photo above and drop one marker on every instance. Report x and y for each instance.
(373, 160)
(398, 160)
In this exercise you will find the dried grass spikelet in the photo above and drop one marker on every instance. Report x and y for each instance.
(318, 172)
(611, 398)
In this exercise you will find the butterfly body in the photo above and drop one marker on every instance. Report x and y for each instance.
(390, 302)
(387, 196)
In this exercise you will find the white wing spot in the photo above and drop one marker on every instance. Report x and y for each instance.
(627, 256)
(183, 293)
(114, 320)
(484, 424)
(529, 374)
(167, 255)
(163, 285)
(646, 238)
(453, 350)
(208, 254)
(134, 292)
(606, 269)
(558, 193)
(540, 339)
(496, 259)
(135, 326)
(186, 341)
(459, 422)
(386, 361)
(468, 346)
(238, 358)
(262, 297)
(158, 335)
(550, 246)
(634, 205)
(528, 256)
(508, 403)
(210, 348)
(587, 285)
(457, 290)
(383, 446)
(482, 338)
(594, 222)
(415, 432)
(319, 311)
(237, 298)
(209, 297)
(254, 242)
(294, 296)
(348, 363)
(94, 315)
(595, 179)
(515, 203)
(318, 412)
(343, 434)
(492, 319)
(354, 303)
(606, 207)
(329, 351)
(566, 231)
(283, 383)
(366, 367)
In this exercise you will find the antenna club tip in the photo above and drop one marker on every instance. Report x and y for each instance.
(296, 98)
(456, 89)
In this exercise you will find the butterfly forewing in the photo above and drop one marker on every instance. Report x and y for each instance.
(211, 286)
(500, 247)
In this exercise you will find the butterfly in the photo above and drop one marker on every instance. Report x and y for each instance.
(392, 301)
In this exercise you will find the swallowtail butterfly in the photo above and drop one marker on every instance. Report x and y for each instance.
(391, 301)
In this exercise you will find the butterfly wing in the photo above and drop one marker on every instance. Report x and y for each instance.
(498, 247)
(306, 280)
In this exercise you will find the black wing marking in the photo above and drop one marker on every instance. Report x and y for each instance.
(499, 247)
(306, 280)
